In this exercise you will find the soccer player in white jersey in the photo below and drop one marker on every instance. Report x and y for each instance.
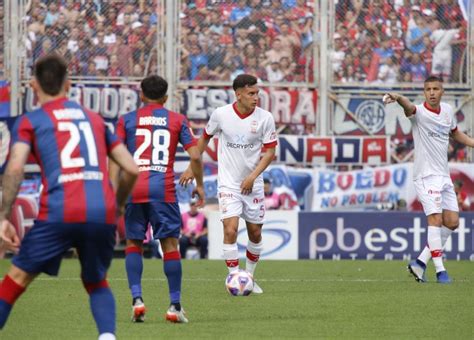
(433, 123)
(243, 129)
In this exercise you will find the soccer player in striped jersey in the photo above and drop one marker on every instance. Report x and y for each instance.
(434, 122)
(243, 129)
(152, 134)
(78, 207)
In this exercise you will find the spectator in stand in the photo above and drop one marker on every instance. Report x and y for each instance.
(462, 197)
(272, 201)
(203, 73)
(388, 71)
(70, 10)
(364, 68)
(459, 57)
(276, 53)
(416, 34)
(253, 25)
(194, 231)
(417, 69)
(121, 49)
(239, 12)
(349, 75)
(252, 67)
(442, 51)
(274, 73)
(290, 41)
(288, 68)
(337, 54)
(196, 58)
(52, 14)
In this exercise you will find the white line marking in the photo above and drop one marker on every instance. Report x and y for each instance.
(259, 280)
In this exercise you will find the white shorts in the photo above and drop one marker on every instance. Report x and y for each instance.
(436, 193)
(250, 207)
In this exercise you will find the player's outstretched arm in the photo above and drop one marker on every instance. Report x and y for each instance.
(247, 184)
(188, 176)
(128, 176)
(403, 101)
(462, 138)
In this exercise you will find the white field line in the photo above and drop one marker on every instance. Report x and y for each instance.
(259, 280)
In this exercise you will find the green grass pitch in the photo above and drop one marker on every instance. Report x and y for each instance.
(302, 299)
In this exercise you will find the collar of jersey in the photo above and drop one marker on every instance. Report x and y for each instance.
(429, 108)
(54, 102)
(241, 116)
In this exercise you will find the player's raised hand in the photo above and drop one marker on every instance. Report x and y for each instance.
(390, 98)
(199, 192)
(247, 185)
(186, 177)
(9, 239)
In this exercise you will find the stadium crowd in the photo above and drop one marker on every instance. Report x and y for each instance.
(219, 39)
(385, 42)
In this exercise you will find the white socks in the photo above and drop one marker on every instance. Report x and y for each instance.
(253, 255)
(436, 247)
(231, 256)
(425, 255)
(107, 336)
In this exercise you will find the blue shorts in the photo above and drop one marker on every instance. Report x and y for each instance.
(165, 219)
(45, 244)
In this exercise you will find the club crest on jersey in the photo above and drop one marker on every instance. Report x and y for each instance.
(253, 126)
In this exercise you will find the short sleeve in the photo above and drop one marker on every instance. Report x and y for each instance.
(120, 129)
(454, 123)
(185, 135)
(269, 133)
(111, 139)
(213, 126)
(23, 131)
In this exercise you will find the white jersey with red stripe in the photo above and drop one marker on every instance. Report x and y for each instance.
(241, 138)
(431, 130)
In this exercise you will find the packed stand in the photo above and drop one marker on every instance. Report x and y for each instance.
(98, 38)
(386, 42)
(2, 43)
(270, 39)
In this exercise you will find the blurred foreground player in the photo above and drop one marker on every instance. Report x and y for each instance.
(78, 207)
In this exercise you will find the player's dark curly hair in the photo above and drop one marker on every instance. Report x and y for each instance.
(50, 71)
(154, 87)
(243, 80)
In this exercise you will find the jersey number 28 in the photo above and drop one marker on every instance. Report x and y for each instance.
(160, 139)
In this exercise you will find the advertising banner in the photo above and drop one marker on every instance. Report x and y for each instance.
(376, 235)
(279, 233)
(287, 106)
(296, 106)
(362, 189)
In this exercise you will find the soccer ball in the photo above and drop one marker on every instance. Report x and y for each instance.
(239, 283)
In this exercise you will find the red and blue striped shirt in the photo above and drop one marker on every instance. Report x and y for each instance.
(71, 145)
(152, 134)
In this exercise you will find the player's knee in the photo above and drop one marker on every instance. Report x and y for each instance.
(453, 224)
(230, 233)
(91, 287)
